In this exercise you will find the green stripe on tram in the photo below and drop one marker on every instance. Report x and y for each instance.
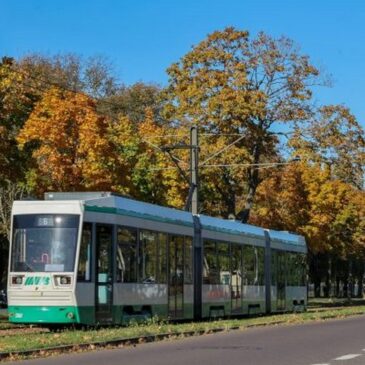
(43, 314)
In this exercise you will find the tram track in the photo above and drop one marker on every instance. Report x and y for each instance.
(22, 330)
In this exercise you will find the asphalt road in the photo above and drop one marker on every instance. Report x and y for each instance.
(324, 343)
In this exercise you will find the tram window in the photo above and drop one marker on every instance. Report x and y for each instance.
(300, 268)
(274, 267)
(236, 267)
(224, 263)
(162, 258)
(289, 269)
(253, 265)
(296, 269)
(83, 272)
(248, 265)
(127, 255)
(44, 243)
(210, 264)
(261, 265)
(188, 270)
(302, 263)
(148, 257)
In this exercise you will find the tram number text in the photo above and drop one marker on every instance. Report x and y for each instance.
(37, 280)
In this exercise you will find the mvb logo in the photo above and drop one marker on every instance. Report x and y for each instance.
(37, 280)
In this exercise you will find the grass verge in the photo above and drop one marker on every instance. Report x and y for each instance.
(23, 341)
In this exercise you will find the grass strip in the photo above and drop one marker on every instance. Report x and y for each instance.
(73, 340)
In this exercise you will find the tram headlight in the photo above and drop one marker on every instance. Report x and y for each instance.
(63, 280)
(17, 280)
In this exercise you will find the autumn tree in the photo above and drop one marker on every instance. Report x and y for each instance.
(133, 101)
(152, 177)
(333, 138)
(17, 98)
(231, 83)
(92, 75)
(22, 84)
(71, 150)
(330, 213)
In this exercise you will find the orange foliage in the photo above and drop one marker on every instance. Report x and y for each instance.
(304, 199)
(72, 151)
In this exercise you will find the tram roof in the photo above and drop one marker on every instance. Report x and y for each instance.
(230, 226)
(290, 238)
(116, 204)
(113, 203)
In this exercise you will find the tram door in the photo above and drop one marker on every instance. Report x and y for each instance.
(236, 282)
(176, 277)
(104, 274)
(281, 276)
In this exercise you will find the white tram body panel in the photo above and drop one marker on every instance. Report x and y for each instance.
(43, 289)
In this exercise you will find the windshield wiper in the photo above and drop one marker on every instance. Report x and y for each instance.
(24, 266)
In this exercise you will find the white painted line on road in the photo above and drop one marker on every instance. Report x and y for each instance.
(347, 357)
(322, 364)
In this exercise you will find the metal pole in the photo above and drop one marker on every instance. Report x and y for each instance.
(193, 193)
(194, 165)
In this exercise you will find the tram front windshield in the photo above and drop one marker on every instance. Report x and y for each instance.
(44, 243)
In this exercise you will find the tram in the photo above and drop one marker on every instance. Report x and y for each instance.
(97, 258)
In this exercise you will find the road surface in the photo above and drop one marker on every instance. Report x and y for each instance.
(335, 342)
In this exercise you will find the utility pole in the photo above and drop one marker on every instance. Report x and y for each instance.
(194, 169)
(192, 201)
(192, 205)
(194, 208)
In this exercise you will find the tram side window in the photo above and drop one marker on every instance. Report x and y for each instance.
(188, 263)
(253, 265)
(296, 269)
(162, 258)
(210, 264)
(148, 257)
(274, 267)
(290, 274)
(126, 270)
(236, 267)
(261, 265)
(224, 263)
(302, 264)
(83, 272)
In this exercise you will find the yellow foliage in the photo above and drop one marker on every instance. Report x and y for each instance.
(304, 199)
(72, 150)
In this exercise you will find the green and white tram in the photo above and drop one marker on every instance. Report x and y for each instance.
(99, 258)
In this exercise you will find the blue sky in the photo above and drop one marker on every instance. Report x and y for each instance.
(142, 38)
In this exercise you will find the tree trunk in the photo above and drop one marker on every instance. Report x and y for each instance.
(253, 182)
(229, 196)
(350, 288)
(244, 214)
(337, 294)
